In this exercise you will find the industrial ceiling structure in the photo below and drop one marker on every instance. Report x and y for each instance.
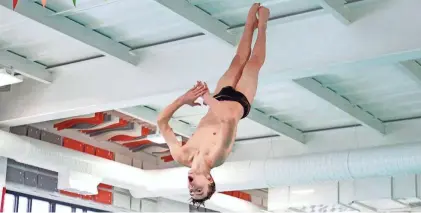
(340, 75)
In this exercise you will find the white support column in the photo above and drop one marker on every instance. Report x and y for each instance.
(338, 10)
(203, 20)
(150, 116)
(363, 117)
(3, 169)
(72, 29)
(413, 69)
(25, 67)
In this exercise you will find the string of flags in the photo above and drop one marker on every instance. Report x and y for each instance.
(43, 2)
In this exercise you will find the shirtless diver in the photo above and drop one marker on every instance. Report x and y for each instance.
(214, 137)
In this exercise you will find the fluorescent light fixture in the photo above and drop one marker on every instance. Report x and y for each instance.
(303, 192)
(7, 79)
(159, 139)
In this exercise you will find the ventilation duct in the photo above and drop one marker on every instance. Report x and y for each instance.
(360, 163)
(372, 162)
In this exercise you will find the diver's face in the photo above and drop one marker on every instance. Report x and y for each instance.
(198, 185)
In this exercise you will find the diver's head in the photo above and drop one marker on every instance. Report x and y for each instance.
(201, 187)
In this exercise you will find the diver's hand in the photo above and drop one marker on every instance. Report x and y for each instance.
(193, 94)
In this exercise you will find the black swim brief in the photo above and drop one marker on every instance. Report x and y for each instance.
(230, 94)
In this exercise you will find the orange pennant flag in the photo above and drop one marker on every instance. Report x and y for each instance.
(15, 2)
(44, 2)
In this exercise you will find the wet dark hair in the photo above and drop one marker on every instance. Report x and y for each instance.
(201, 202)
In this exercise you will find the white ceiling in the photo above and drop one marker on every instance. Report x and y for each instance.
(385, 91)
(359, 62)
(38, 42)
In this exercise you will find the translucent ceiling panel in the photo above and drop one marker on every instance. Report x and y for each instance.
(234, 12)
(132, 22)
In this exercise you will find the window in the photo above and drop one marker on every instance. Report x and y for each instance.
(40, 206)
(77, 210)
(9, 203)
(21, 203)
(63, 209)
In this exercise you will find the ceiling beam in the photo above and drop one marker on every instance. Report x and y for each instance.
(342, 103)
(151, 116)
(206, 22)
(25, 67)
(338, 10)
(116, 148)
(151, 88)
(413, 69)
(276, 125)
(75, 30)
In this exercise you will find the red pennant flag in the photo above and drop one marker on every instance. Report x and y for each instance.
(74, 3)
(15, 2)
(44, 2)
